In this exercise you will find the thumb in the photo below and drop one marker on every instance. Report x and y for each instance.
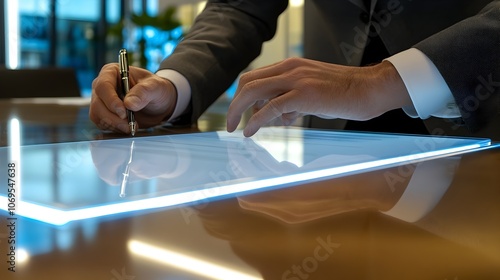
(144, 93)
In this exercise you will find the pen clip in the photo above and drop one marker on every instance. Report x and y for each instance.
(123, 63)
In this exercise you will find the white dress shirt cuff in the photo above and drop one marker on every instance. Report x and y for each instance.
(428, 184)
(428, 91)
(183, 90)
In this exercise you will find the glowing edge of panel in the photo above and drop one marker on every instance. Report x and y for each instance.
(60, 217)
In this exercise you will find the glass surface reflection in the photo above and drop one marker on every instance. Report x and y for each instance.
(343, 228)
(84, 179)
(407, 192)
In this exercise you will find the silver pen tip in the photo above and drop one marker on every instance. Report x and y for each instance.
(132, 128)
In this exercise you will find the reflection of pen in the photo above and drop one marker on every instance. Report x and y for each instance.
(126, 173)
(123, 63)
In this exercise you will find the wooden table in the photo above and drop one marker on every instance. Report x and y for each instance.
(332, 229)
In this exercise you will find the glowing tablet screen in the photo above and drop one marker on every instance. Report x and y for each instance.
(59, 183)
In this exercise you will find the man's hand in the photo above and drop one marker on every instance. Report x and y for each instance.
(297, 86)
(152, 98)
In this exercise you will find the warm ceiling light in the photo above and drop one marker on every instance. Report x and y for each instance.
(186, 263)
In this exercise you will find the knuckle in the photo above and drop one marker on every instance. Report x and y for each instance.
(94, 104)
(104, 124)
(306, 85)
(107, 72)
(292, 61)
(295, 72)
(246, 77)
(100, 87)
(146, 86)
(276, 106)
(251, 86)
(95, 82)
(93, 117)
(293, 76)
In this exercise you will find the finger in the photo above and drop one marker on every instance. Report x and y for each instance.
(286, 119)
(258, 105)
(106, 120)
(150, 91)
(259, 73)
(277, 107)
(251, 159)
(105, 105)
(290, 118)
(252, 92)
(276, 69)
(104, 87)
(257, 80)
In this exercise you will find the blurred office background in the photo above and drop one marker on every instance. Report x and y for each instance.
(83, 34)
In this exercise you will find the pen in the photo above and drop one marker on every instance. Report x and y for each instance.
(125, 86)
(126, 173)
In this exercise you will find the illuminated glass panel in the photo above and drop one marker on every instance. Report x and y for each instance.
(80, 180)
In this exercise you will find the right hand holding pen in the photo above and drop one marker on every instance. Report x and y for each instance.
(151, 97)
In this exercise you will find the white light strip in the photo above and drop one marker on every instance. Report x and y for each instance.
(14, 143)
(15, 139)
(60, 217)
(22, 255)
(186, 263)
(12, 30)
(296, 3)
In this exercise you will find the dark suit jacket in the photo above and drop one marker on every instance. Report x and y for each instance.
(462, 38)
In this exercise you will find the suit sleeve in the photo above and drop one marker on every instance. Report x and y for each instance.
(467, 55)
(223, 40)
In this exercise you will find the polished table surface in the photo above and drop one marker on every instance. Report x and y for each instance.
(337, 228)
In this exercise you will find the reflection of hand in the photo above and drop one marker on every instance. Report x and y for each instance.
(253, 160)
(299, 86)
(422, 183)
(151, 97)
(249, 159)
(111, 157)
(325, 198)
(316, 199)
